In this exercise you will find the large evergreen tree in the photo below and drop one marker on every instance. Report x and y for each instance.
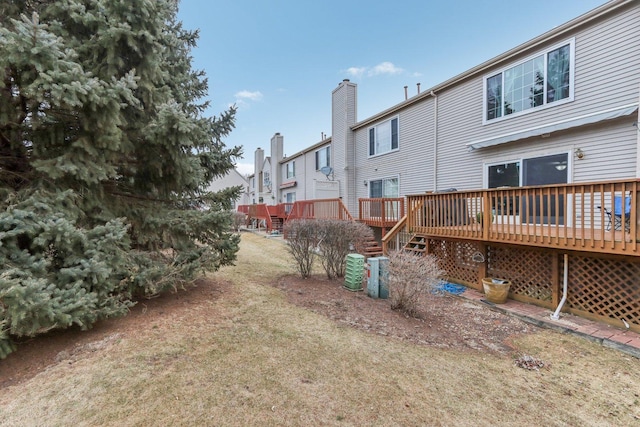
(105, 157)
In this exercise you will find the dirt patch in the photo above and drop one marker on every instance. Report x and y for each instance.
(35, 355)
(446, 321)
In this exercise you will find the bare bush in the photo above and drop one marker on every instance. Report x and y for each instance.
(337, 240)
(302, 236)
(239, 220)
(411, 278)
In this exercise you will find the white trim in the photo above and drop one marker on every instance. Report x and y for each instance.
(382, 179)
(544, 53)
(390, 119)
(522, 158)
(315, 158)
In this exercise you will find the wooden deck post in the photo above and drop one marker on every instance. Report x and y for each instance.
(487, 215)
(482, 270)
(635, 198)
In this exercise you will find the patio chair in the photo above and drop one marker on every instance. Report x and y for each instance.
(615, 217)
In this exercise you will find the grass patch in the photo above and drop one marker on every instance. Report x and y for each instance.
(251, 358)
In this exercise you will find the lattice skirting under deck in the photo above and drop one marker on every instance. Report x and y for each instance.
(600, 288)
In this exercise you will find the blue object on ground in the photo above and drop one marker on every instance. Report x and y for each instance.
(451, 288)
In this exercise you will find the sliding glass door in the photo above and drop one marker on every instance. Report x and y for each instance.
(533, 171)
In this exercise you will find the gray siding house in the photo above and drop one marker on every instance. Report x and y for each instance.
(232, 179)
(560, 108)
(525, 167)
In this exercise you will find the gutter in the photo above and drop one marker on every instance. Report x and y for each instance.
(523, 48)
(435, 139)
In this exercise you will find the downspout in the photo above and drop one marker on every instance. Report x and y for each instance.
(435, 140)
(556, 315)
(637, 123)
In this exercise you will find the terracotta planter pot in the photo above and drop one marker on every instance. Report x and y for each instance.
(496, 290)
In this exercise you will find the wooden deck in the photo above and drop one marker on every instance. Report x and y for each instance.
(576, 217)
(577, 239)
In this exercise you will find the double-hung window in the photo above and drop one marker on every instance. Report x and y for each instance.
(383, 137)
(291, 169)
(538, 81)
(323, 158)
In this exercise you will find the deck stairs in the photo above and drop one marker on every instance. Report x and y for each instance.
(417, 245)
(277, 224)
(371, 248)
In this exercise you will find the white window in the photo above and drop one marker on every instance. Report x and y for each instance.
(386, 187)
(266, 179)
(323, 158)
(383, 137)
(539, 81)
(290, 197)
(291, 169)
(544, 170)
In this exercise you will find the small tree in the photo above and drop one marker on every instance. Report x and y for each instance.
(337, 240)
(411, 279)
(302, 236)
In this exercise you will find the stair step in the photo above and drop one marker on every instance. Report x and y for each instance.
(417, 245)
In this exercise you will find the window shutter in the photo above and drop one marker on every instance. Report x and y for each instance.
(394, 134)
(372, 141)
(317, 160)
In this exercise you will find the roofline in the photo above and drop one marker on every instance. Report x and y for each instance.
(306, 150)
(240, 175)
(560, 30)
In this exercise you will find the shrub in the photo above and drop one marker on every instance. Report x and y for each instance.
(337, 240)
(239, 220)
(411, 279)
(302, 236)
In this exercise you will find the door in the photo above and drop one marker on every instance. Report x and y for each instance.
(545, 209)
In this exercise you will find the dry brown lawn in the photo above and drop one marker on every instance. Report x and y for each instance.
(238, 351)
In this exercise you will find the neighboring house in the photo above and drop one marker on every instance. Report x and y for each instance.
(304, 175)
(233, 179)
(308, 174)
(260, 181)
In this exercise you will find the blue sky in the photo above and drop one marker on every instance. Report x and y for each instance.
(279, 60)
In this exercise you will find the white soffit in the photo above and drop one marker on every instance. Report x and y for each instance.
(613, 113)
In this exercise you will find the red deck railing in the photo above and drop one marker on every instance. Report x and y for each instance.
(306, 209)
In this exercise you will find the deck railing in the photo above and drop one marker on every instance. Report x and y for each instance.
(381, 212)
(397, 237)
(319, 209)
(590, 217)
(261, 212)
